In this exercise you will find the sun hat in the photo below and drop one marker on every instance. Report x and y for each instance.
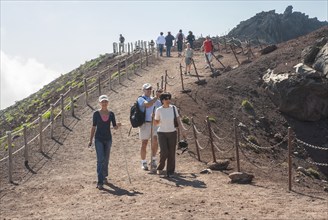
(103, 98)
(146, 86)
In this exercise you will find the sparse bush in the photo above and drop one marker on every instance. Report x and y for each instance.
(212, 119)
(247, 105)
(313, 173)
(186, 120)
(46, 115)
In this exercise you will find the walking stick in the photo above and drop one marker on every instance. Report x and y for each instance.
(151, 140)
(124, 153)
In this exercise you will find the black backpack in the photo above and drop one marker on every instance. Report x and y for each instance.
(137, 117)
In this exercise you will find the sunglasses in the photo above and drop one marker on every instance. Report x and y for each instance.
(149, 88)
(167, 98)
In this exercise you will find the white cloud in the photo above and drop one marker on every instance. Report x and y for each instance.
(21, 77)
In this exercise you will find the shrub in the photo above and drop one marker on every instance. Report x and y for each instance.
(313, 173)
(186, 120)
(247, 105)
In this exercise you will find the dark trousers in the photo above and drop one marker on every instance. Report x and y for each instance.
(167, 143)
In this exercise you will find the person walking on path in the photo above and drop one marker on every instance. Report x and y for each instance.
(180, 38)
(122, 40)
(207, 47)
(191, 39)
(148, 104)
(189, 53)
(160, 43)
(167, 120)
(169, 43)
(100, 131)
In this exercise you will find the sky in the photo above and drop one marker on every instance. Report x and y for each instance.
(40, 40)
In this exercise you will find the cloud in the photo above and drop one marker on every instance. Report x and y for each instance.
(21, 77)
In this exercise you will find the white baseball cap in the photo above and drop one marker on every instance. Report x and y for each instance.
(103, 98)
(146, 86)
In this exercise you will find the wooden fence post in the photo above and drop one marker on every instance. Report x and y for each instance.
(146, 57)
(126, 68)
(211, 138)
(131, 47)
(290, 164)
(40, 133)
(72, 100)
(234, 53)
(165, 80)
(62, 109)
(236, 144)
(52, 120)
(140, 59)
(99, 84)
(134, 63)
(162, 82)
(128, 48)
(110, 80)
(10, 159)
(86, 90)
(195, 136)
(25, 144)
(119, 71)
(181, 76)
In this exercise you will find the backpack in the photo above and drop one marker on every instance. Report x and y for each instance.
(137, 117)
(180, 37)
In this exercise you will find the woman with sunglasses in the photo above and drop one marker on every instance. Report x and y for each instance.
(167, 133)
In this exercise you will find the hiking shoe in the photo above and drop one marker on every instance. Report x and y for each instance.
(106, 181)
(153, 165)
(144, 166)
(100, 187)
(160, 172)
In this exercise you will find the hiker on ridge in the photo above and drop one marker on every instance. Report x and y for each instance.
(189, 53)
(122, 40)
(180, 38)
(191, 39)
(103, 138)
(208, 48)
(148, 104)
(169, 43)
(160, 43)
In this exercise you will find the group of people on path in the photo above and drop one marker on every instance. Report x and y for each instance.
(160, 126)
(169, 41)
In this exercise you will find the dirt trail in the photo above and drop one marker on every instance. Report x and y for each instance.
(65, 188)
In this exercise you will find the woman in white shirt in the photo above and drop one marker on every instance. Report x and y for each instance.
(167, 133)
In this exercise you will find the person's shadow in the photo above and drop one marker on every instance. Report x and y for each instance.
(119, 191)
(180, 180)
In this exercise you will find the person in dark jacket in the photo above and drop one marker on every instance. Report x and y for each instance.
(191, 39)
(169, 43)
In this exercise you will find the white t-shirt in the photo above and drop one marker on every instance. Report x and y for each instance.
(166, 118)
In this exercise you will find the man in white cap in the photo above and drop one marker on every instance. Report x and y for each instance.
(149, 104)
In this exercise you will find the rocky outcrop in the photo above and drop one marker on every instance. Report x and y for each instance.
(303, 94)
(272, 28)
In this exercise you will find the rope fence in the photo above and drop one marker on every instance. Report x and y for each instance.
(29, 137)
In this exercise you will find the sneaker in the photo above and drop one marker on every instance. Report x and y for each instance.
(160, 172)
(100, 187)
(153, 165)
(106, 181)
(144, 166)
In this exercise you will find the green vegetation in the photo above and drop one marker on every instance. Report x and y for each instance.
(247, 105)
(186, 120)
(212, 119)
(313, 173)
(46, 115)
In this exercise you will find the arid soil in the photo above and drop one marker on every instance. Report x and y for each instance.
(62, 184)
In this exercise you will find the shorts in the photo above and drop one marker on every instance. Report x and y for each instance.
(188, 60)
(144, 131)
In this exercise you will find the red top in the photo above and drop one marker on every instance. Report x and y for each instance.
(208, 46)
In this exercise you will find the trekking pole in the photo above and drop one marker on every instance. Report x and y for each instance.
(151, 139)
(124, 153)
